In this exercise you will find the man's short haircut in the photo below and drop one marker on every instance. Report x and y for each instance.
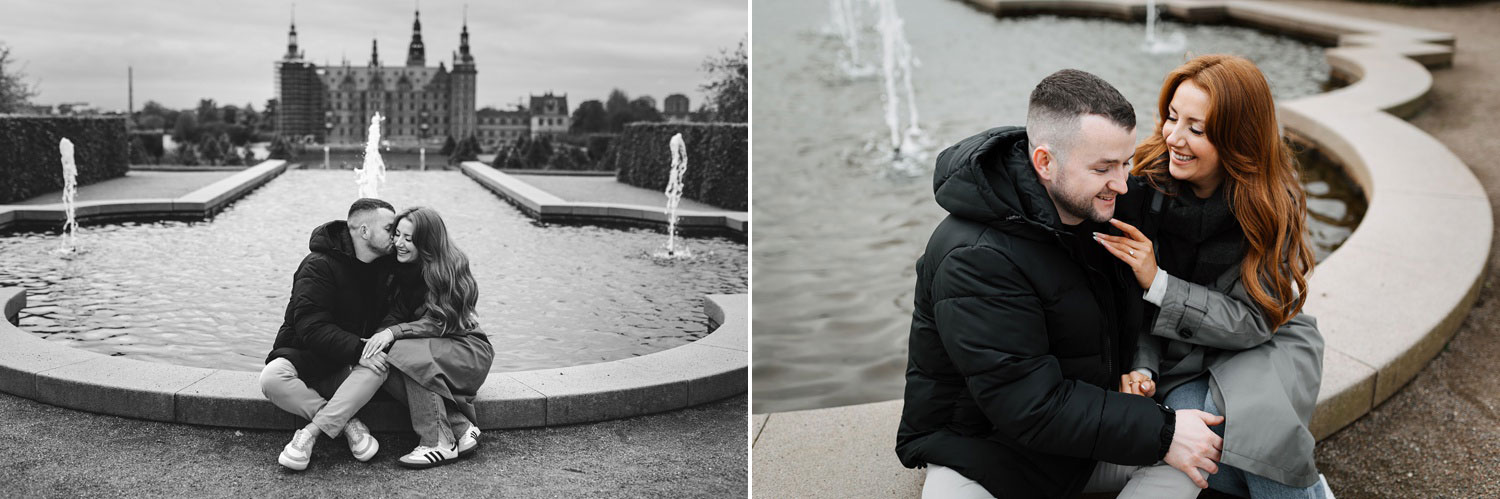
(1059, 102)
(368, 204)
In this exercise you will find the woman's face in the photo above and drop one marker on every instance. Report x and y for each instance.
(406, 249)
(1193, 159)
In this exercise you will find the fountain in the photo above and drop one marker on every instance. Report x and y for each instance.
(372, 174)
(908, 143)
(674, 195)
(1172, 44)
(846, 26)
(70, 189)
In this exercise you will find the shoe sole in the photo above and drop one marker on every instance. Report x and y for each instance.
(374, 447)
(290, 463)
(423, 466)
(463, 453)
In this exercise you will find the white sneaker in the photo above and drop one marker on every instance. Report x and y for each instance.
(297, 453)
(426, 457)
(468, 441)
(1327, 492)
(361, 443)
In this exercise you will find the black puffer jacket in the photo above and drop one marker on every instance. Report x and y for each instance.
(336, 301)
(1019, 337)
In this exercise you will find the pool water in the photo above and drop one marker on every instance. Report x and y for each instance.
(839, 230)
(213, 294)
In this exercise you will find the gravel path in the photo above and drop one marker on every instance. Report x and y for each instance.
(55, 452)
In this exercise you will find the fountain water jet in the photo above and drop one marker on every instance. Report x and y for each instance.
(70, 190)
(1174, 43)
(372, 174)
(674, 195)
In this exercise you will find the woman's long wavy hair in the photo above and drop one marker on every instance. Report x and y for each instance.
(451, 290)
(1261, 182)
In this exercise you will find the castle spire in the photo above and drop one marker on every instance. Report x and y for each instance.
(416, 55)
(374, 53)
(291, 40)
(463, 56)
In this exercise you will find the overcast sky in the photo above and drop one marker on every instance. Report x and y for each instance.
(182, 51)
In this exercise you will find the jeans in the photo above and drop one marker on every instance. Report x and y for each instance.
(1165, 481)
(331, 403)
(434, 422)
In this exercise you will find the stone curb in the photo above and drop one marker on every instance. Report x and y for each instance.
(712, 368)
(202, 203)
(1381, 327)
(546, 207)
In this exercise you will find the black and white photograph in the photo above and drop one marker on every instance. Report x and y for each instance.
(373, 249)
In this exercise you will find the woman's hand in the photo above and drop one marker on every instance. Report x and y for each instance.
(1136, 383)
(1135, 250)
(376, 344)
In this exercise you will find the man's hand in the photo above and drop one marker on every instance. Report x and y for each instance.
(377, 343)
(1136, 383)
(1195, 446)
(378, 363)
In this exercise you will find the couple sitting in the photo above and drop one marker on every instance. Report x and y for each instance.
(1081, 330)
(359, 322)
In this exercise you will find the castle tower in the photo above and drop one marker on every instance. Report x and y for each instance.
(299, 92)
(416, 55)
(462, 118)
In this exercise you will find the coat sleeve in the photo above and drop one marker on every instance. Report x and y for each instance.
(990, 320)
(313, 292)
(1147, 353)
(405, 318)
(1197, 314)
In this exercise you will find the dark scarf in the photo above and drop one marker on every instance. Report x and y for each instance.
(1199, 238)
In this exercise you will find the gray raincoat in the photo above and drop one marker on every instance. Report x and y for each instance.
(1265, 384)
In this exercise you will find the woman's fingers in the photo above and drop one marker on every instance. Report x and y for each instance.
(1129, 230)
(1123, 254)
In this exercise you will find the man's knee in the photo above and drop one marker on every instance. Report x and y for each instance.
(275, 376)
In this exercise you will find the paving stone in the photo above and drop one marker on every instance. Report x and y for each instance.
(838, 452)
(505, 402)
(606, 390)
(712, 373)
(26, 354)
(231, 398)
(123, 387)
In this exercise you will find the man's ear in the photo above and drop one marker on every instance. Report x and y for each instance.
(1043, 161)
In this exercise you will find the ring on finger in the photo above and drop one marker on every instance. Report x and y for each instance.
(1132, 252)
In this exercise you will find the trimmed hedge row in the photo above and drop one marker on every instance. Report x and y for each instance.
(31, 164)
(718, 160)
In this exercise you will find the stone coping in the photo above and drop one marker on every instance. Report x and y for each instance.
(546, 207)
(1381, 310)
(709, 369)
(202, 203)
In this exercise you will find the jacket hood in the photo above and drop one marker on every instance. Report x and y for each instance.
(333, 238)
(988, 178)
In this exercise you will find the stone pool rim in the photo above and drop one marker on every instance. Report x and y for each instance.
(708, 369)
(1382, 312)
(711, 368)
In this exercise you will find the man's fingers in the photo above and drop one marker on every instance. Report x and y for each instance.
(1212, 420)
(1192, 472)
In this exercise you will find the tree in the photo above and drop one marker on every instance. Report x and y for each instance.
(208, 111)
(728, 87)
(466, 150)
(138, 153)
(448, 146)
(643, 108)
(14, 92)
(281, 149)
(590, 117)
(186, 129)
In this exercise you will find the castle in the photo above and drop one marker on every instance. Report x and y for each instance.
(333, 104)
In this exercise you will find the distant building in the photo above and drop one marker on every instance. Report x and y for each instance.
(499, 128)
(549, 115)
(676, 109)
(334, 104)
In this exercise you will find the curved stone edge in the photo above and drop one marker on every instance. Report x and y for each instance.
(709, 369)
(1381, 310)
(546, 207)
(202, 203)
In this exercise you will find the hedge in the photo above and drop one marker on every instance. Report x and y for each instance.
(31, 164)
(718, 160)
